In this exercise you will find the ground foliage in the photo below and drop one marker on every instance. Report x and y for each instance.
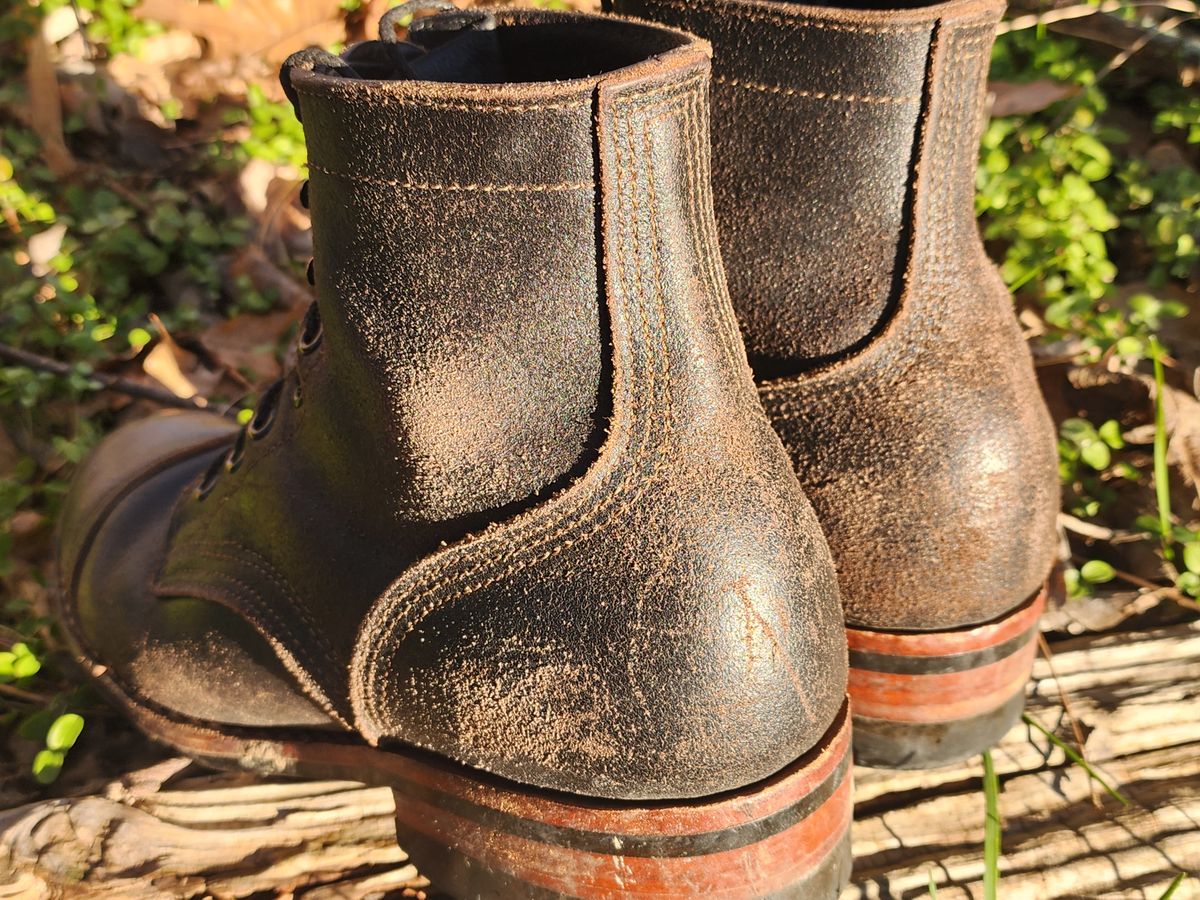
(149, 175)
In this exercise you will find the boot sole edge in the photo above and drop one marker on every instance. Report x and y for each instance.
(929, 699)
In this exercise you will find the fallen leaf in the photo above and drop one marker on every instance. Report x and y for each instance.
(179, 371)
(44, 112)
(1011, 99)
(249, 344)
(260, 28)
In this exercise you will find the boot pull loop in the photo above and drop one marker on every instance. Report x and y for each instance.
(312, 59)
(446, 18)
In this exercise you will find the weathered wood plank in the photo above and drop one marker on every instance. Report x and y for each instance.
(171, 831)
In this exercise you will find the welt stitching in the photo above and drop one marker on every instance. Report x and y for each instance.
(454, 186)
(426, 594)
(751, 16)
(816, 95)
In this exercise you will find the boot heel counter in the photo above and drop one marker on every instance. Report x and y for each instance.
(681, 644)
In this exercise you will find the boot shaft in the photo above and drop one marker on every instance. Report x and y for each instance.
(826, 123)
(523, 450)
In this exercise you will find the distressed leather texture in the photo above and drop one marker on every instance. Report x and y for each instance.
(885, 345)
(520, 505)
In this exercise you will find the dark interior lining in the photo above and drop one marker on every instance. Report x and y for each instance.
(529, 52)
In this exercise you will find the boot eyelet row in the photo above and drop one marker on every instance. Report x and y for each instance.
(209, 481)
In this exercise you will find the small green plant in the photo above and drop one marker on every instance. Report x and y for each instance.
(1086, 467)
(1075, 757)
(992, 828)
(276, 135)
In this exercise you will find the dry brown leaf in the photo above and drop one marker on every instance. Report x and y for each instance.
(179, 371)
(44, 112)
(1012, 99)
(248, 344)
(270, 29)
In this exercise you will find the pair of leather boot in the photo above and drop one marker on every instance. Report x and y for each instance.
(515, 536)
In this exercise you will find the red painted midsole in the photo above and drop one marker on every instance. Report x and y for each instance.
(948, 643)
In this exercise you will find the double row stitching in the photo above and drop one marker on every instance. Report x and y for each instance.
(476, 187)
(424, 602)
(816, 95)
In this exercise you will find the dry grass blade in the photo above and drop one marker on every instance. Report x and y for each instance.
(1076, 758)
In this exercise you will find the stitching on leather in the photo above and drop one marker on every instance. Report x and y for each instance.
(614, 495)
(432, 581)
(385, 99)
(751, 16)
(817, 95)
(576, 106)
(295, 668)
(264, 566)
(524, 557)
(454, 186)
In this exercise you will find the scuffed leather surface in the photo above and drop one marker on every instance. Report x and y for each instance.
(815, 120)
(927, 452)
(668, 625)
(473, 379)
(173, 650)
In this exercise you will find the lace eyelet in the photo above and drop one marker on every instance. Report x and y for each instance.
(304, 195)
(311, 330)
(209, 481)
(233, 459)
(311, 272)
(264, 413)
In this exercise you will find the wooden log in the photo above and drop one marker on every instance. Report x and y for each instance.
(173, 831)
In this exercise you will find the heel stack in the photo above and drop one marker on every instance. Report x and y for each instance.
(924, 699)
(785, 837)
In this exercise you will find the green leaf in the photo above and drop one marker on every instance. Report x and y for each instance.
(1174, 886)
(991, 828)
(46, 766)
(64, 732)
(1096, 454)
(1097, 571)
(26, 666)
(1077, 430)
(1110, 433)
(7, 660)
(1191, 556)
(1075, 758)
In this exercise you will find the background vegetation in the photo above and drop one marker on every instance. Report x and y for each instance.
(152, 246)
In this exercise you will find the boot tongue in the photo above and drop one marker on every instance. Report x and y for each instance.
(440, 47)
(454, 54)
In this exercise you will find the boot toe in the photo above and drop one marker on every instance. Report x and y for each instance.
(171, 652)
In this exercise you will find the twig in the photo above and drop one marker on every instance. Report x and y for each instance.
(1044, 647)
(1082, 11)
(1159, 589)
(113, 383)
(17, 694)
